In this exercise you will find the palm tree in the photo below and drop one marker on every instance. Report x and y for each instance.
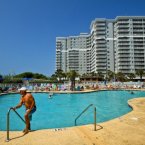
(100, 75)
(131, 76)
(140, 73)
(53, 78)
(59, 74)
(110, 75)
(1, 78)
(120, 77)
(93, 74)
(72, 75)
(64, 75)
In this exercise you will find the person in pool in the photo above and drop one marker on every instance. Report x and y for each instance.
(28, 100)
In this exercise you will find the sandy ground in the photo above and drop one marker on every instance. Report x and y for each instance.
(126, 130)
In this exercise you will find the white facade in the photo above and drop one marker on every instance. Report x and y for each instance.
(130, 44)
(61, 53)
(71, 53)
(102, 52)
(113, 44)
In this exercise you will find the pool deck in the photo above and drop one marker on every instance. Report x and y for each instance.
(125, 130)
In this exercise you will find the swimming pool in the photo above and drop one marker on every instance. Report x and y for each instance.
(62, 110)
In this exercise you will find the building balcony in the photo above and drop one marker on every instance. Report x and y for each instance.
(73, 58)
(123, 56)
(138, 33)
(139, 55)
(101, 60)
(101, 50)
(69, 55)
(122, 26)
(100, 56)
(100, 53)
(138, 48)
(137, 30)
(138, 59)
(73, 61)
(124, 67)
(138, 52)
(100, 24)
(122, 40)
(140, 45)
(139, 64)
(137, 22)
(99, 36)
(101, 45)
(137, 26)
(138, 40)
(123, 63)
(74, 66)
(58, 50)
(122, 30)
(122, 35)
(101, 64)
(124, 59)
(100, 28)
(125, 71)
(100, 68)
(123, 44)
(100, 42)
(100, 32)
(123, 52)
(123, 48)
(123, 22)
(141, 67)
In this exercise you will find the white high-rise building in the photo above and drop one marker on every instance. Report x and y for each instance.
(130, 44)
(61, 53)
(72, 53)
(113, 44)
(102, 52)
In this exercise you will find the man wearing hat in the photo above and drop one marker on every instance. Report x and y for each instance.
(28, 100)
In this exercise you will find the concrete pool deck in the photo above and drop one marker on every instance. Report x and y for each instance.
(125, 130)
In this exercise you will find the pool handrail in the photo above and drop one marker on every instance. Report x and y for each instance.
(8, 120)
(84, 112)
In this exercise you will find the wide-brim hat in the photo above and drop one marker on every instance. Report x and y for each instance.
(22, 89)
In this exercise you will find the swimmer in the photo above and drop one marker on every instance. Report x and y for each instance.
(50, 95)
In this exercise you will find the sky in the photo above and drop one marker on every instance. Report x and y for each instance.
(28, 28)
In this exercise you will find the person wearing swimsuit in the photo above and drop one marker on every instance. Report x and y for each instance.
(29, 102)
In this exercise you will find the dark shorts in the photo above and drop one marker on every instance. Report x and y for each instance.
(32, 111)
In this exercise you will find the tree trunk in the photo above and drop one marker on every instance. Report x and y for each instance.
(72, 85)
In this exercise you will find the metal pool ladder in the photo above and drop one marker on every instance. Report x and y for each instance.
(8, 120)
(84, 112)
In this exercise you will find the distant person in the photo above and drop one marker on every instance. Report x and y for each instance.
(28, 100)
(82, 88)
(50, 95)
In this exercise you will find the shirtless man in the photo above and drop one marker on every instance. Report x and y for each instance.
(28, 100)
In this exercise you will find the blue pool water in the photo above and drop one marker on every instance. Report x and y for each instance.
(62, 109)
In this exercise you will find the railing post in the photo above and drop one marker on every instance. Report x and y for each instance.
(8, 127)
(8, 122)
(94, 118)
(82, 113)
